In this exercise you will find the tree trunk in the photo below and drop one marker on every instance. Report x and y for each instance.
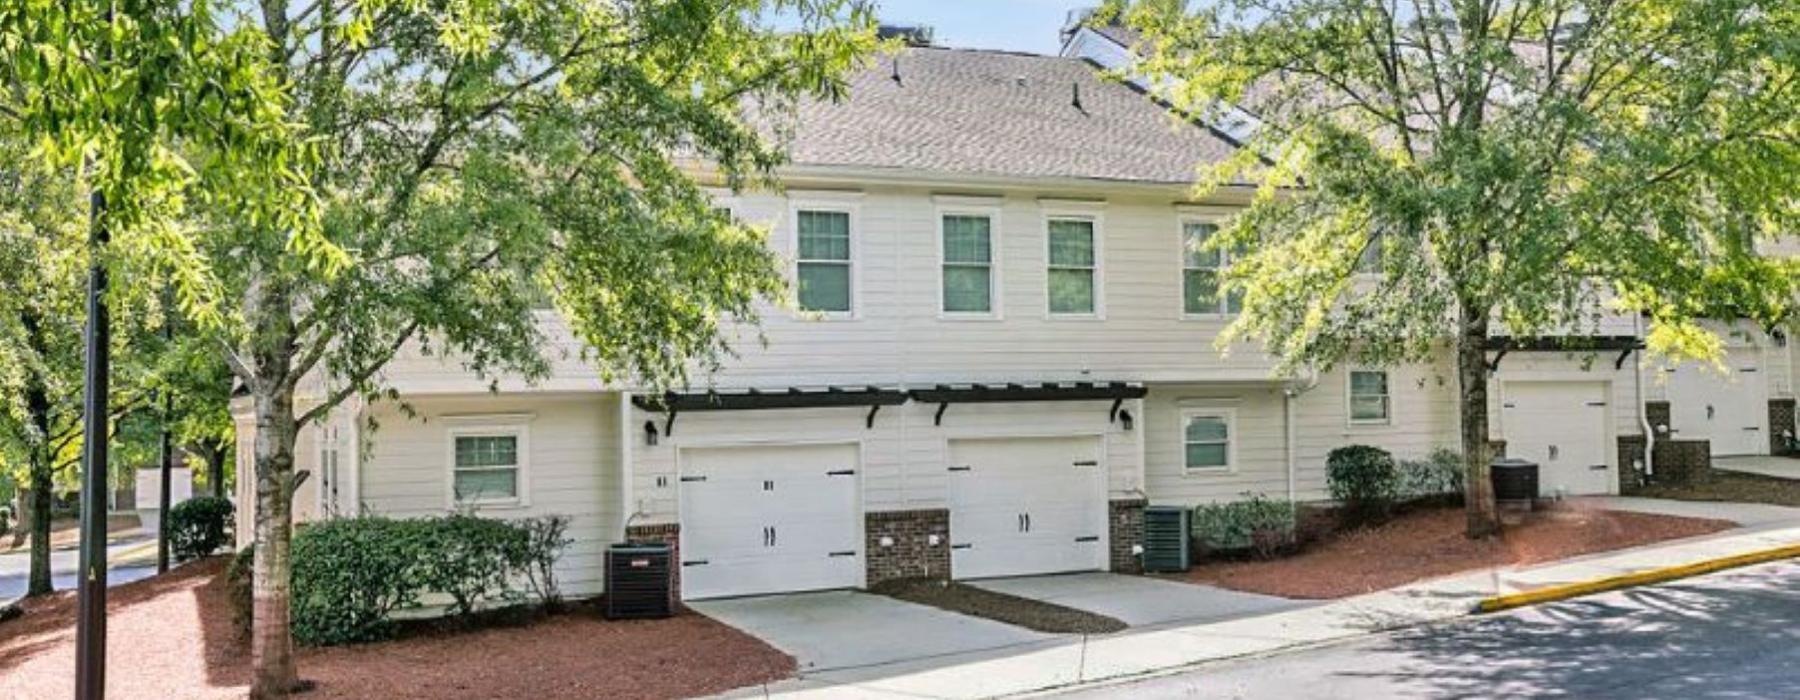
(270, 310)
(1472, 372)
(215, 470)
(37, 402)
(272, 644)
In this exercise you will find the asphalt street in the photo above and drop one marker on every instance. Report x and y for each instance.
(15, 568)
(1734, 634)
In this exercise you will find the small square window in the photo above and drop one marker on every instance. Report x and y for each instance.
(1370, 403)
(1206, 441)
(486, 469)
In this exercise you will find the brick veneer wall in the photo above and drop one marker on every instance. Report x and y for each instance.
(1677, 461)
(911, 555)
(1126, 531)
(669, 534)
(1781, 422)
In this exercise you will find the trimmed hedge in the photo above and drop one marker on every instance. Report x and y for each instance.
(351, 574)
(1257, 524)
(199, 526)
(1438, 477)
(1365, 480)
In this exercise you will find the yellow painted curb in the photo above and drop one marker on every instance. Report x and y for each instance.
(1636, 578)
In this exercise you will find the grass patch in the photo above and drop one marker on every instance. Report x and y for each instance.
(979, 602)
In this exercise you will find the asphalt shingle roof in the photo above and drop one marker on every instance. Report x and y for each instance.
(1001, 113)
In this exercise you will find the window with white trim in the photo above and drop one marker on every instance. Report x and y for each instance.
(1370, 260)
(1073, 267)
(486, 467)
(968, 264)
(1206, 440)
(1370, 403)
(1202, 271)
(823, 265)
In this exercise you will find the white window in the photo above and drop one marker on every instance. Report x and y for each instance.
(1201, 271)
(1369, 262)
(487, 465)
(967, 246)
(1370, 403)
(1206, 439)
(1073, 267)
(823, 263)
(329, 471)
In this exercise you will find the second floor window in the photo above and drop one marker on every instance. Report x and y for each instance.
(1201, 271)
(968, 264)
(823, 264)
(1072, 267)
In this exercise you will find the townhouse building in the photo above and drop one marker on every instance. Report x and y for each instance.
(1001, 350)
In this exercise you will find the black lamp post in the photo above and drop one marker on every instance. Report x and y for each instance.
(90, 628)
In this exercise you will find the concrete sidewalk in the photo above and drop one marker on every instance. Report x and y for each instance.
(1143, 651)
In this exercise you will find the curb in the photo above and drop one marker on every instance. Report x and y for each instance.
(1637, 578)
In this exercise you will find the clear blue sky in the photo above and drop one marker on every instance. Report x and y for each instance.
(1015, 25)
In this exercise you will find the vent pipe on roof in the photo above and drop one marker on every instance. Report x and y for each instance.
(1076, 100)
(897, 71)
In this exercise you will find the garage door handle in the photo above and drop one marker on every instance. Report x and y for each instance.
(1089, 538)
(1596, 403)
(842, 472)
(696, 562)
(1598, 467)
(842, 554)
(693, 478)
(959, 469)
(964, 545)
(1753, 428)
(1088, 463)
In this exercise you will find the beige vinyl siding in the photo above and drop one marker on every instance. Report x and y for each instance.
(572, 468)
(1422, 417)
(1258, 451)
(904, 457)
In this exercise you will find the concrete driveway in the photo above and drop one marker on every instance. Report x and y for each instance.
(839, 630)
(1778, 467)
(1137, 600)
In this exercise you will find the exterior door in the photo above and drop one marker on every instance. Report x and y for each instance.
(1022, 506)
(769, 519)
(1728, 409)
(1562, 427)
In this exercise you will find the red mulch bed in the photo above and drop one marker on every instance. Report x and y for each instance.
(1429, 543)
(161, 647)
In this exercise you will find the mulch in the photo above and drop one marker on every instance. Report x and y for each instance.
(171, 636)
(1427, 544)
(1000, 607)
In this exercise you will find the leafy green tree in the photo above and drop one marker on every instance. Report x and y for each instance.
(1521, 164)
(476, 155)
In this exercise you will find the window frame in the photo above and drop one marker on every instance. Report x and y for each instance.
(1222, 306)
(977, 207)
(846, 203)
(1094, 214)
(1350, 398)
(516, 426)
(1229, 415)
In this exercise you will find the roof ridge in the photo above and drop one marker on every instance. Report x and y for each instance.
(1002, 52)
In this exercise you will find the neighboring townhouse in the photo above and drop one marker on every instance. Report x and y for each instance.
(1004, 351)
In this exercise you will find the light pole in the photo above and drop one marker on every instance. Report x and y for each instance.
(90, 627)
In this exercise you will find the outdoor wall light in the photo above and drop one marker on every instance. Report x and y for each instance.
(650, 433)
(1125, 420)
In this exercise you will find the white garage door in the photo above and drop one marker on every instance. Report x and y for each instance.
(1026, 506)
(1562, 427)
(769, 519)
(1726, 409)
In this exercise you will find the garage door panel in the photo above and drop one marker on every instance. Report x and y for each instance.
(769, 519)
(1023, 506)
(1562, 426)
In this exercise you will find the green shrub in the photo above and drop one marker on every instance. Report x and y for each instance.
(546, 538)
(1363, 479)
(351, 573)
(199, 526)
(1438, 476)
(1256, 524)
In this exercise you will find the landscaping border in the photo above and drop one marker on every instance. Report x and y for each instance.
(1637, 578)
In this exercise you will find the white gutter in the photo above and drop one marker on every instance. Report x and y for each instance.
(1289, 393)
(1637, 327)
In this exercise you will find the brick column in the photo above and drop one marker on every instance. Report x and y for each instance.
(898, 544)
(1781, 422)
(1125, 519)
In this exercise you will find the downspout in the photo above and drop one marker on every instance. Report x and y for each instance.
(1637, 326)
(1289, 393)
(627, 499)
